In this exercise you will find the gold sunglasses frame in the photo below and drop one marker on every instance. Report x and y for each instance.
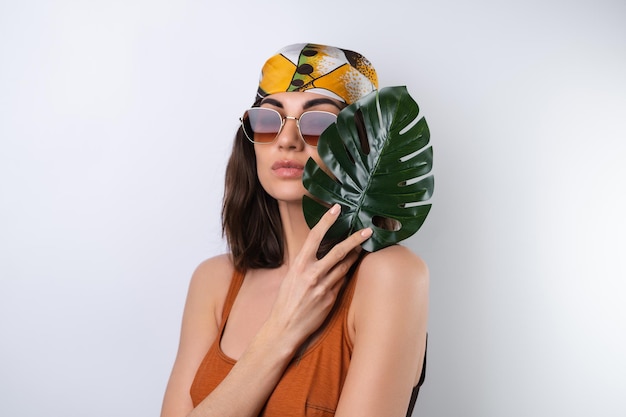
(283, 121)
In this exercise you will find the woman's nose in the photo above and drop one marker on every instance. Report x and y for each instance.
(289, 135)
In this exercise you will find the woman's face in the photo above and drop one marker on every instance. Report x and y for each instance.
(280, 164)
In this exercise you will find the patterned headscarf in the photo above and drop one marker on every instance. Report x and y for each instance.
(338, 73)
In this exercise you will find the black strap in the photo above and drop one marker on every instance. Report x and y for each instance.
(416, 389)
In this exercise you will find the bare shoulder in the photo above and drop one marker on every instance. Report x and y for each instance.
(210, 282)
(391, 278)
(212, 270)
(395, 266)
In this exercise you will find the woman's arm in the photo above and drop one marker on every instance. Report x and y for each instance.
(389, 314)
(207, 291)
(305, 297)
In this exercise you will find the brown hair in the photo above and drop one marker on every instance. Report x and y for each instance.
(250, 218)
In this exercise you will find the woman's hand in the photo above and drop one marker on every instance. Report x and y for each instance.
(310, 286)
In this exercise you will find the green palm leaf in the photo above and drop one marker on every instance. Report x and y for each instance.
(379, 155)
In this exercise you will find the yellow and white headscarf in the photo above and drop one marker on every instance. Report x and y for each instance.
(338, 73)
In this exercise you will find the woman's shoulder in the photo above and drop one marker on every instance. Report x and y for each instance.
(215, 267)
(389, 275)
(392, 285)
(211, 278)
(394, 264)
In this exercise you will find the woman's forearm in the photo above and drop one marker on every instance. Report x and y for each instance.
(248, 385)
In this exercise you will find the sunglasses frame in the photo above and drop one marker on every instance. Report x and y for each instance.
(283, 121)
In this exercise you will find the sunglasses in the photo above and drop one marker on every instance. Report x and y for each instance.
(262, 125)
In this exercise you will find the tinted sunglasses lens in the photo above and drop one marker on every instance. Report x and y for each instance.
(261, 125)
(313, 123)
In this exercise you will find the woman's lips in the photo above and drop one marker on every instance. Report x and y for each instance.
(287, 169)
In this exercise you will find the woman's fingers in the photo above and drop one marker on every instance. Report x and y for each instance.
(340, 250)
(340, 258)
(336, 258)
(340, 269)
(319, 230)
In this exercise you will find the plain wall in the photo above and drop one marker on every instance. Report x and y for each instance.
(116, 119)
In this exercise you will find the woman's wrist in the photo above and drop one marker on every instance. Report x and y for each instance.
(278, 340)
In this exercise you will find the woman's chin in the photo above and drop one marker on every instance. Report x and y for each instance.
(289, 194)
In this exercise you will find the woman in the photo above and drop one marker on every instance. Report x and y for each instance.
(275, 328)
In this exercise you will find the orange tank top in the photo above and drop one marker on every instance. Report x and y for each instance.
(312, 382)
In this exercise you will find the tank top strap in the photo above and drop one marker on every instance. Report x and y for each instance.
(235, 285)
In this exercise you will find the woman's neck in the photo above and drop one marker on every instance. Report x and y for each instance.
(295, 228)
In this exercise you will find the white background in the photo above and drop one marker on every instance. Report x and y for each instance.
(116, 119)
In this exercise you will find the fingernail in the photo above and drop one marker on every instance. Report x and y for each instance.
(366, 232)
(335, 209)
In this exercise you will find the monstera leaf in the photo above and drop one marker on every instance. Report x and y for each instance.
(379, 160)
